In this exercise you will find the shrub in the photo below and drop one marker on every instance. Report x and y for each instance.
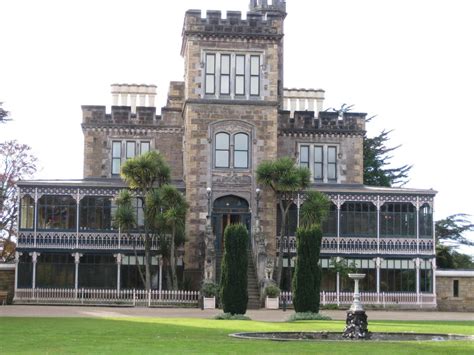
(272, 291)
(228, 316)
(306, 281)
(307, 316)
(209, 289)
(233, 292)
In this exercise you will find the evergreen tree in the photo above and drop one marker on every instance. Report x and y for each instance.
(233, 293)
(4, 115)
(286, 180)
(376, 159)
(307, 278)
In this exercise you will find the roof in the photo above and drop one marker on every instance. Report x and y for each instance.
(360, 188)
(455, 273)
(90, 182)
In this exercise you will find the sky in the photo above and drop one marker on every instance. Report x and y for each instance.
(408, 62)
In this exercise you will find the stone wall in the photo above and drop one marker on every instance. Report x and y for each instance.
(445, 290)
(164, 132)
(7, 280)
(350, 152)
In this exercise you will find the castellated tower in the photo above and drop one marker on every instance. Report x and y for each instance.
(233, 91)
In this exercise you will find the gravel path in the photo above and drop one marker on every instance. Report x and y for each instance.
(260, 315)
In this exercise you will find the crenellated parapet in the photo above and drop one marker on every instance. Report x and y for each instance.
(349, 122)
(256, 25)
(119, 115)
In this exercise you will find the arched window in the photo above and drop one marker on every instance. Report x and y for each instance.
(241, 150)
(222, 150)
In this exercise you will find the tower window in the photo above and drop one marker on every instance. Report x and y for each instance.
(228, 146)
(241, 150)
(210, 73)
(455, 288)
(225, 74)
(222, 150)
(232, 75)
(255, 75)
(240, 75)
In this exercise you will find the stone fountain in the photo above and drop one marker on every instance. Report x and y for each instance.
(356, 321)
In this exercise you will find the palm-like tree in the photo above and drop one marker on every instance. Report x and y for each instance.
(314, 209)
(145, 174)
(174, 213)
(125, 220)
(286, 180)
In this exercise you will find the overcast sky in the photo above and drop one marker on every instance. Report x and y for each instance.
(410, 62)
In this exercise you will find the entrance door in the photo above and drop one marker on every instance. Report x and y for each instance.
(228, 210)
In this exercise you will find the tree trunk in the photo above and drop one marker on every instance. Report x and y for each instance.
(174, 278)
(147, 263)
(279, 265)
(139, 267)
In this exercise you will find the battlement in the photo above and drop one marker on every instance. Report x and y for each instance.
(353, 122)
(120, 115)
(257, 24)
(268, 6)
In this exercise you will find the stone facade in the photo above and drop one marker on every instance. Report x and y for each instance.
(233, 88)
(7, 280)
(455, 290)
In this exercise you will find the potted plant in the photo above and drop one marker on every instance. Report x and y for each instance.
(209, 291)
(272, 300)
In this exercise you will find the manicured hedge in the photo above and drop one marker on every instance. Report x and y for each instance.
(234, 295)
(307, 278)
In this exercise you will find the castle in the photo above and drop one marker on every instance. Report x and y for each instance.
(230, 113)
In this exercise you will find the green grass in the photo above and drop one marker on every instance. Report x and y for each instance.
(173, 335)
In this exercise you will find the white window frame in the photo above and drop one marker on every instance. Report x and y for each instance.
(231, 150)
(124, 156)
(249, 77)
(325, 161)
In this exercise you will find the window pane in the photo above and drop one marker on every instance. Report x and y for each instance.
(318, 171)
(130, 149)
(225, 85)
(240, 65)
(222, 141)
(239, 85)
(318, 154)
(331, 172)
(331, 154)
(210, 84)
(241, 141)
(304, 154)
(116, 148)
(254, 85)
(225, 64)
(254, 65)
(210, 64)
(116, 166)
(144, 147)
(222, 159)
(241, 159)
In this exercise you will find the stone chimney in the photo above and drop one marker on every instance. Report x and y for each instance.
(303, 100)
(128, 94)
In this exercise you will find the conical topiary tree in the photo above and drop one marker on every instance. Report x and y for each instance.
(233, 292)
(307, 277)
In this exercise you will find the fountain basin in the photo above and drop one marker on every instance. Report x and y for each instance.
(337, 336)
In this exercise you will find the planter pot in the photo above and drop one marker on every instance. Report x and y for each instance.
(209, 302)
(272, 303)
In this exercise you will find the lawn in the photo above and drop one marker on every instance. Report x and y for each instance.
(179, 335)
